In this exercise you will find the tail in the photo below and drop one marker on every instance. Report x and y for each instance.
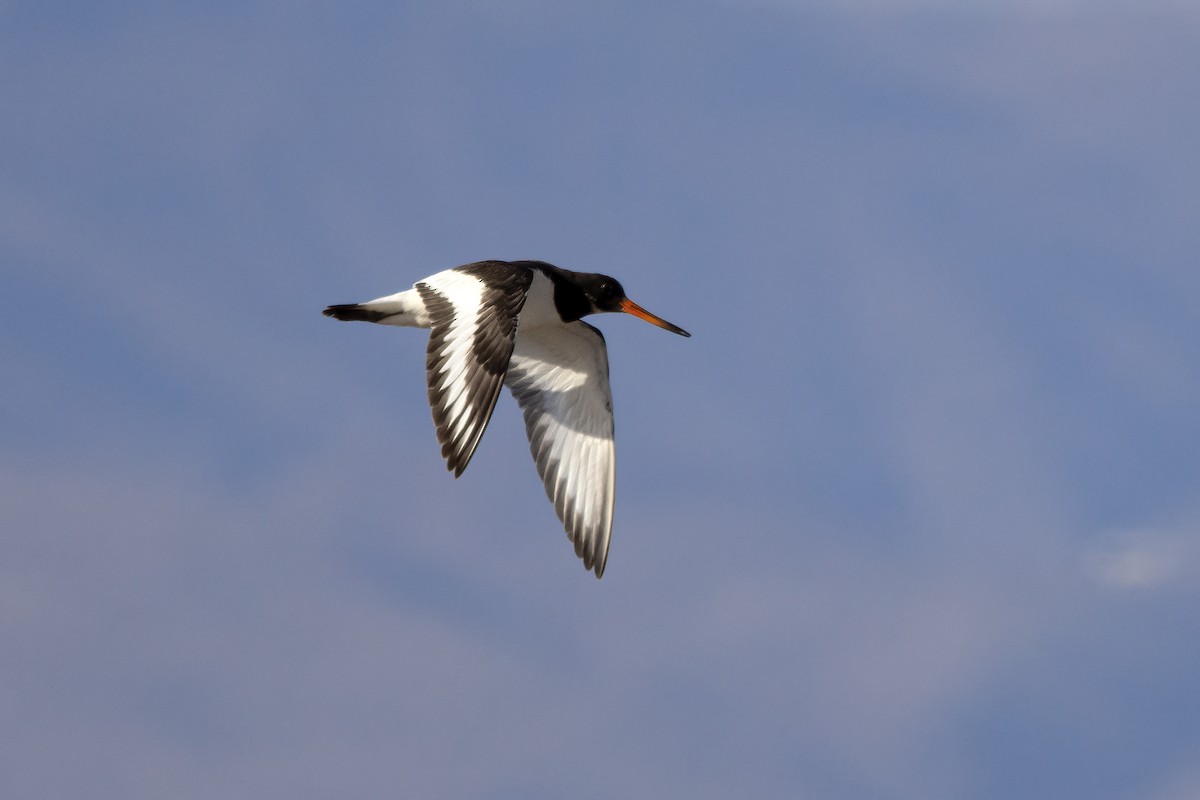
(356, 312)
(403, 308)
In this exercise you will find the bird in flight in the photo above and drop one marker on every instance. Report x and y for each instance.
(520, 323)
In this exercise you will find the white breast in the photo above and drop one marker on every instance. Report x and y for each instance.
(539, 304)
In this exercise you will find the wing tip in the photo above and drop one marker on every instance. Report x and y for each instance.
(595, 557)
(456, 461)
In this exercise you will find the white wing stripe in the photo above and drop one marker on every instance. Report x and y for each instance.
(568, 418)
(473, 314)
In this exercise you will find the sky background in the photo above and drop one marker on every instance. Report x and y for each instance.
(912, 515)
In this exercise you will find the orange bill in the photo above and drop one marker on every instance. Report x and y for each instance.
(630, 307)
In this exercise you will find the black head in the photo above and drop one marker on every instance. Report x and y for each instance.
(602, 292)
(605, 294)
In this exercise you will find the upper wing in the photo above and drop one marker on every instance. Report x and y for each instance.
(559, 376)
(473, 314)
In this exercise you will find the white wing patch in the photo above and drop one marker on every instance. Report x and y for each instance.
(559, 375)
(473, 310)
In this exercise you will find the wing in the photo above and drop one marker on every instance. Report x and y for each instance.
(473, 314)
(559, 375)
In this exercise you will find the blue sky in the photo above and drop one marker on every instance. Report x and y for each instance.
(914, 513)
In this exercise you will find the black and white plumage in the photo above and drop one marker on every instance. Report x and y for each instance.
(519, 323)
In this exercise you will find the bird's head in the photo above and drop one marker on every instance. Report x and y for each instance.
(605, 294)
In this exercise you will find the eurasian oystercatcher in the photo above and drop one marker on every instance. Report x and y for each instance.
(519, 323)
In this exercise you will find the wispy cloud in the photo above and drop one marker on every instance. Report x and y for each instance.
(1143, 559)
(1001, 8)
